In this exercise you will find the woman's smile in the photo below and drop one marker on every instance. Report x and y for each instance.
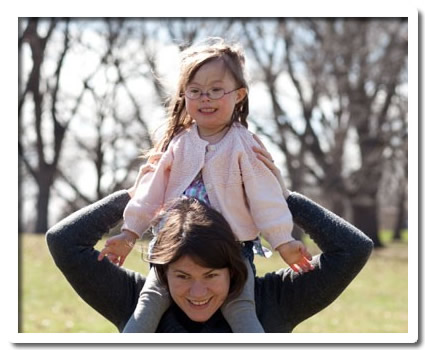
(199, 302)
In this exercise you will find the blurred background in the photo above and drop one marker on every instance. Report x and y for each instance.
(328, 97)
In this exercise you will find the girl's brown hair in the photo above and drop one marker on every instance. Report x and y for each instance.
(191, 228)
(192, 59)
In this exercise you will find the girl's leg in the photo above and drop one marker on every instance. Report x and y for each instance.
(154, 300)
(240, 311)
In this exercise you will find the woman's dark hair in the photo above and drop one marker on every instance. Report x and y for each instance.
(191, 228)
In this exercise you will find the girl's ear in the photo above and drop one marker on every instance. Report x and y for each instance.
(241, 93)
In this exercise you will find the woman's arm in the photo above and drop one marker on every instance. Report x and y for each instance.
(111, 290)
(287, 298)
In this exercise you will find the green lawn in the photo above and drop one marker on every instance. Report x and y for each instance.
(376, 301)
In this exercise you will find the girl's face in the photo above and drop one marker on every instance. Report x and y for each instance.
(210, 115)
(199, 291)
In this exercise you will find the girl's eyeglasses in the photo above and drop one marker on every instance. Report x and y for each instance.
(213, 93)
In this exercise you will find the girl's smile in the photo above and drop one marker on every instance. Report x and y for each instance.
(207, 110)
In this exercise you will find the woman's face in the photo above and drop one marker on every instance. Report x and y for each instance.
(199, 291)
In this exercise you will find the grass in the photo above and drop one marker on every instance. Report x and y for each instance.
(376, 301)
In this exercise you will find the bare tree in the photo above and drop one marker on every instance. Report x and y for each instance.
(394, 190)
(42, 170)
(187, 31)
(117, 134)
(344, 74)
(20, 164)
(375, 69)
(117, 130)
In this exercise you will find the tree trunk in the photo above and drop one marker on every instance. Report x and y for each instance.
(365, 218)
(401, 217)
(20, 165)
(338, 204)
(20, 197)
(44, 182)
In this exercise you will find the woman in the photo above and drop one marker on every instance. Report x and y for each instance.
(283, 298)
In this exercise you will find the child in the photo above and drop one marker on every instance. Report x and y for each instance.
(208, 154)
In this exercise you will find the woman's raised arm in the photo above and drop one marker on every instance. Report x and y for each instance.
(111, 290)
(285, 298)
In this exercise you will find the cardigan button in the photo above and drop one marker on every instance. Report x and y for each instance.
(211, 148)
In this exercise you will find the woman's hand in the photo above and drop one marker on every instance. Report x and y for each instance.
(146, 168)
(266, 158)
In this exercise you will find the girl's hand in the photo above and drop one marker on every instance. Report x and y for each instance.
(118, 247)
(146, 168)
(266, 158)
(295, 254)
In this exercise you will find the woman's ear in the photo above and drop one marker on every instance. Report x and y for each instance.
(241, 93)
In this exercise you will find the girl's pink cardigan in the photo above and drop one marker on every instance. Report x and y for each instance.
(238, 184)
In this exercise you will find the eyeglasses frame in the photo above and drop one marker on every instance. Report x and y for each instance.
(206, 94)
